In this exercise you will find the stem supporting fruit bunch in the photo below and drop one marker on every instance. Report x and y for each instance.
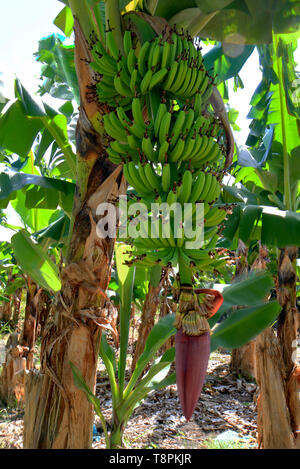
(172, 149)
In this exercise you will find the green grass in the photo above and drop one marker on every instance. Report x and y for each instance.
(229, 444)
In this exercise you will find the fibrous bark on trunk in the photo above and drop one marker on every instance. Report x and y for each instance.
(5, 312)
(16, 307)
(278, 403)
(63, 417)
(20, 351)
(243, 358)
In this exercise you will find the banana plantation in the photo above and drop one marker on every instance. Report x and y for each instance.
(149, 280)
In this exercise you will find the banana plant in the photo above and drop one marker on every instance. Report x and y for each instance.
(87, 269)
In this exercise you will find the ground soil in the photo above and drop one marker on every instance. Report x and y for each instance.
(227, 403)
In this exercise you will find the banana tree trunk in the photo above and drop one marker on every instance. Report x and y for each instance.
(16, 307)
(278, 402)
(6, 311)
(57, 414)
(243, 358)
(19, 352)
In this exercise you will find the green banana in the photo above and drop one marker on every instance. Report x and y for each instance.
(172, 75)
(114, 156)
(111, 45)
(137, 113)
(162, 109)
(197, 188)
(177, 151)
(164, 127)
(174, 50)
(127, 42)
(165, 54)
(191, 88)
(214, 154)
(181, 75)
(134, 179)
(186, 83)
(171, 198)
(144, 86)
(214, 217)
(114, 128)
(188, 147)
(204, 84)
(153, 178)
(142, 58)
(197, 103)
(155, 57)
(163, 152)
(133, 142)
(121, 87)
(133, 81)
(207, 186)
(147, 148)
(157, 78)
(189, 119)
(185, 193)
(143, 177)
(214, 190)
(166, 177)
(177, 127)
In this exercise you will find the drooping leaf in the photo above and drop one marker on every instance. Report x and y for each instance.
(246, 292)
(280, 228)
(239, 21)
(35, 262)
(17, 131)
(243, 325)
(225, 66)
(160, 332)
(11, 181)
(56, 231)
(250, 215)
(65, 21)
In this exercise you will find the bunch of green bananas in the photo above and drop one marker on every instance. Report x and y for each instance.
(168, 147)
(171, 62)
(172, 136)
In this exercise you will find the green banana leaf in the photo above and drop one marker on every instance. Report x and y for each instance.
(274, 107)
(243, 21)
(278, 228)
(108, 356)
(65, 21)
(243, 325)
(248, 291)
(17, 131)
(152, 380)
(160, 332)
(48, 118)
(126, 282)
(11, 181)
(226, 67)
(35, 262)
(55, 231)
